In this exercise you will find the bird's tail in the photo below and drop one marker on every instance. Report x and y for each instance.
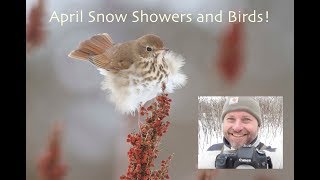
(97, 44)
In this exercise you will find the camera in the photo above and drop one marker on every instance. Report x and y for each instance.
(246, 157)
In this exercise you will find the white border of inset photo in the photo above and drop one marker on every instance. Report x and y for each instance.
(240, 132)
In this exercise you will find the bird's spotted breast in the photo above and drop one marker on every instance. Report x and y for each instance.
(145, 65)
(149, 74)
(136, 81)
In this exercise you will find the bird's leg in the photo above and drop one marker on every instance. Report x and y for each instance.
(163, 87)
(139, 116)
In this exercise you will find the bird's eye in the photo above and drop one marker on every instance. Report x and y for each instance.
(149, 48)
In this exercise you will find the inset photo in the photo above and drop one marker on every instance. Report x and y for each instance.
(240, 132)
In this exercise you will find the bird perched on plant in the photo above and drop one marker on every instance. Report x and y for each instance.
(134, 70)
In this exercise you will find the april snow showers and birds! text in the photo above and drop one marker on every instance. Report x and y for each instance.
(140, 16)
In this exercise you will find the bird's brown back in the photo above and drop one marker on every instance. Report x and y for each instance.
(124, 55)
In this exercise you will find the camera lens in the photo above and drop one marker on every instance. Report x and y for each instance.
(245, 166)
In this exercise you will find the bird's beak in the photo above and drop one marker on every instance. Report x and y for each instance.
(159, 51)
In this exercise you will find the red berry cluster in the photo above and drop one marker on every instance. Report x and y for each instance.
(49, 164)
(145, 143)
(35, 33)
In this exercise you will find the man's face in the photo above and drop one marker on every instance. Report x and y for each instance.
(240, 128)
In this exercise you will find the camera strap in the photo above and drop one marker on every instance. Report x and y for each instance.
(261, 146)
(269, 162)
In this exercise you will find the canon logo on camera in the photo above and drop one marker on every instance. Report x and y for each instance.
(244, 160)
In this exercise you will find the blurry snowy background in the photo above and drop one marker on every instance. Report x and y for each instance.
(94, 138)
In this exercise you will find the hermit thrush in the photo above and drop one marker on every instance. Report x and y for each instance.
(134, 71)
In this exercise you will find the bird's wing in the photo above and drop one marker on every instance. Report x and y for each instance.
(110, 60)
(96, 45)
